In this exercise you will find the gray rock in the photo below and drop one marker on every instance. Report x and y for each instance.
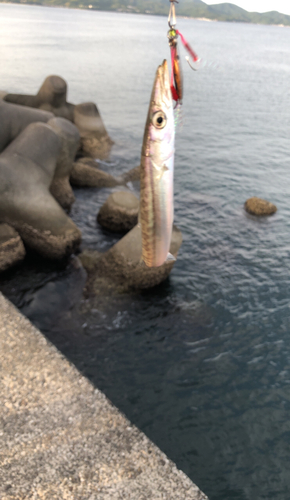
(14, 119)
(95, 141)
(85, 173)
(12, 249)
(132, 175)
(50, 97)
(119, 213)
(257, 206)
(26, 171)
(70, 138)
(120, 269)
(3, 93)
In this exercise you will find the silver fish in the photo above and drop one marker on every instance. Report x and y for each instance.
(157, 167)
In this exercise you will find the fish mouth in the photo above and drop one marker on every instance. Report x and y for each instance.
(163, 74)
(161, 89)
(161, 99)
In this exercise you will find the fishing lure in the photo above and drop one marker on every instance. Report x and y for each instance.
(176, 81)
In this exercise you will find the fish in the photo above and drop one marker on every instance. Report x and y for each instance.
(156, 173)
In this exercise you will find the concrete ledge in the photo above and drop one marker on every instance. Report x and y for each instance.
(60, 438)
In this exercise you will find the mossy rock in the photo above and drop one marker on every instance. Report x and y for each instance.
(119, 213)
(260, 207)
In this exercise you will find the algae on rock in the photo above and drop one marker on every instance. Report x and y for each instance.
(120, 269)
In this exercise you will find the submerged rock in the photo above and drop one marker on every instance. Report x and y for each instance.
(95, 141)
(59, 293)
(50, 97)
(257, 206)
(60, 187)
(119, 213)
(12, 249)
(27, 168)
(85, 173)
(120, 269)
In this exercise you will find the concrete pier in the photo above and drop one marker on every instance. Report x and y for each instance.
(60, 438)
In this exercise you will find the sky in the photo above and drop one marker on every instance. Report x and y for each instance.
(258, 5)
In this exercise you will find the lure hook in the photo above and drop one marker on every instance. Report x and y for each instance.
(172, 16)
(187, 59)
(191, 52)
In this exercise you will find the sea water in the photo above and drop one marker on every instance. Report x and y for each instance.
(201, 363)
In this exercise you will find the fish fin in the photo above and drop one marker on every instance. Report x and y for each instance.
(163, 169)
(170, 258)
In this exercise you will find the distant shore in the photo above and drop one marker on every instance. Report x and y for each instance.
(241, 15)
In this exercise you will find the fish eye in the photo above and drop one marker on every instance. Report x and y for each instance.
(159, 119)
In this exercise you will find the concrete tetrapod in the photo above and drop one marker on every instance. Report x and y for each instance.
(119, 213)
(26, 171)
(50, 97)
(85, 173)
(12, 249)
(95, 141)
(14, 119)
(120, 269)
(60, 187)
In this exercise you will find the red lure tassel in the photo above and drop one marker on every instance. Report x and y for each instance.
(188, 47)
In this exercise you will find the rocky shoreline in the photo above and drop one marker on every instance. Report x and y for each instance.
(47, 145)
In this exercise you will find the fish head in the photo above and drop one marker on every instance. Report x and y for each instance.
(160, 120)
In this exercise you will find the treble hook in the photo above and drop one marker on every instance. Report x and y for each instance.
(187, 59)
(172, 16)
